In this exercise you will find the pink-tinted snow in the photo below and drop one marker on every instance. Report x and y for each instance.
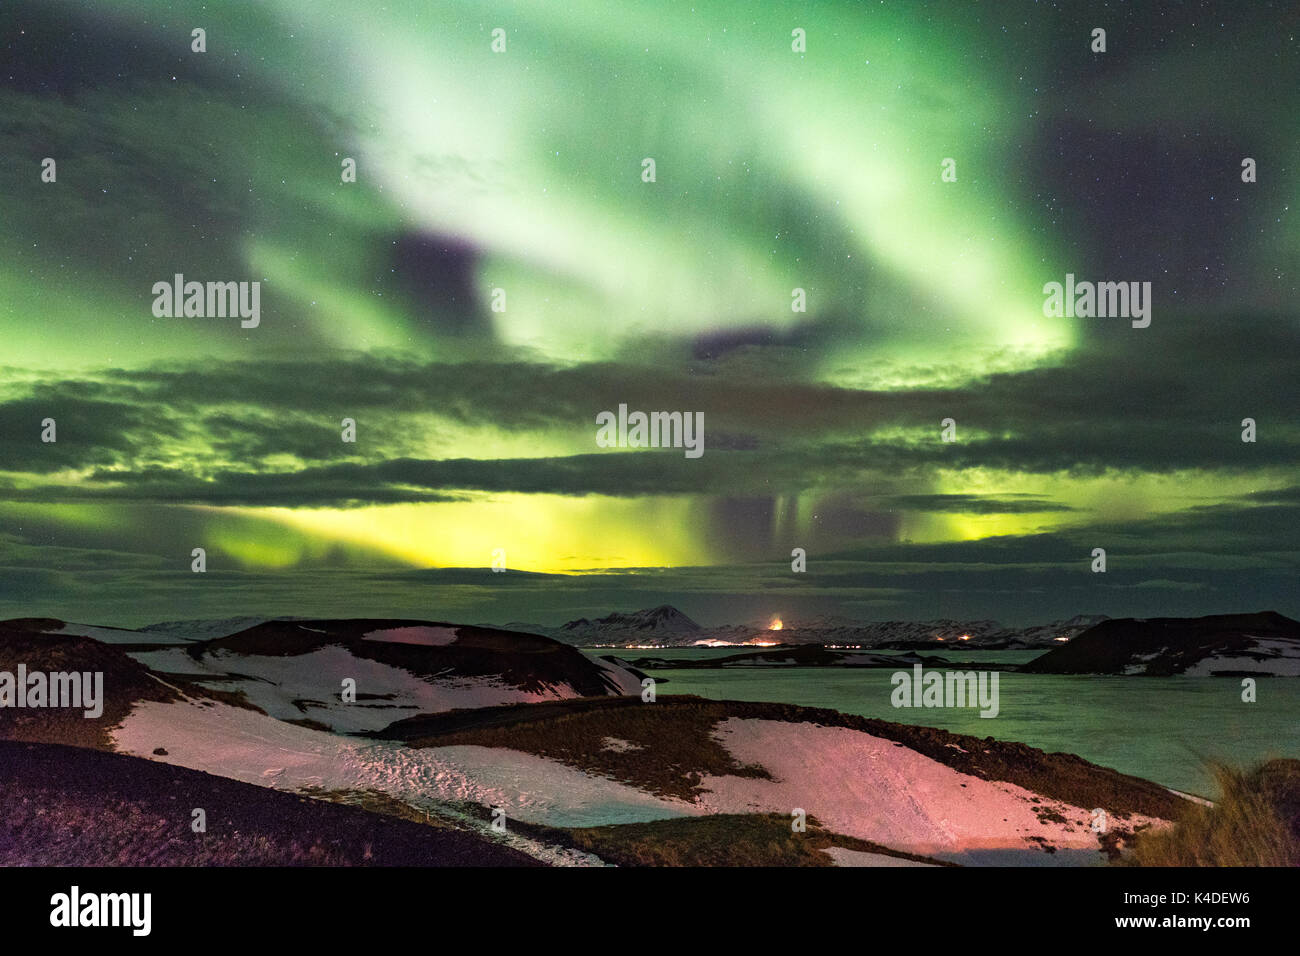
(873, 789)
(422, 634)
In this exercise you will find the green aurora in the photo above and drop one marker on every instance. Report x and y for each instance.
(522, 171)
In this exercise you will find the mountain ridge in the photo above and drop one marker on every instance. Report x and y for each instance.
(669, 627)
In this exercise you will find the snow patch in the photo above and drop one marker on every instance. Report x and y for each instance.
(105, 635)
(310, 686)
(425, 636)
(244, 745)
(618, 678)
(867, 787)
(846, 857)
(204, 630)
(1270, 658)
(170, 660)
(1139, 662)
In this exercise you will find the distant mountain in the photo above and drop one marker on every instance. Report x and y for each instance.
(1260, 644)
(668, 627)
(658, 622)
(1045, 635)
(802, 655)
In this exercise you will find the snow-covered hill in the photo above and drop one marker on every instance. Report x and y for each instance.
(467, 715)
(660, 622)
(296, 670)
(912, 790)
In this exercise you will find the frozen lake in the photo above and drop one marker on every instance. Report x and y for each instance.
(1160, 728)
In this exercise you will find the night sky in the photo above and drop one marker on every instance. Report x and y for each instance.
(522, 171)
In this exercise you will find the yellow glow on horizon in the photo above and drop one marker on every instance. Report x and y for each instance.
(542, 533)
(1091, 498)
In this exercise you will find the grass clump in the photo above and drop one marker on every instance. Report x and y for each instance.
(1255, 822)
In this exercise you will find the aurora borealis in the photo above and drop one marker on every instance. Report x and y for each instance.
(522, 171)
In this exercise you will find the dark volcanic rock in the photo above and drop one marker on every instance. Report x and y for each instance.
(1263, 643)
(62, 806)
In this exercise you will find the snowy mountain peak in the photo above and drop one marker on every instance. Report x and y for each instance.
(664, 619)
